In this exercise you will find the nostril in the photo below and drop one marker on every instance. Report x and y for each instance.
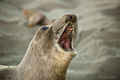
(71, 17)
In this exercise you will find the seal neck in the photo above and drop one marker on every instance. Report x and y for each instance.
(50, 64)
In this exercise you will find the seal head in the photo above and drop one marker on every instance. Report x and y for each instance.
(62, 33)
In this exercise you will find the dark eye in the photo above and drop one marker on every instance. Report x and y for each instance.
(44, 28)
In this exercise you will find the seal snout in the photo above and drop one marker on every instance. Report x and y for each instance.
(70, 17)
(65, 30)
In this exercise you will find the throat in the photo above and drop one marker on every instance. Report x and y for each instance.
(44, 67)
(65, 43)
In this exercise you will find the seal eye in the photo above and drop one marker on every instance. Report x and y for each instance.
(44, 28)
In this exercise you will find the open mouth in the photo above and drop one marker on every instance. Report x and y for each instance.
(66, 39)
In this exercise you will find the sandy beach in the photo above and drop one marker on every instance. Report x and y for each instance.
(98, 43)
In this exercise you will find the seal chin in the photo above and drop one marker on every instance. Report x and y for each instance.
(65, 40)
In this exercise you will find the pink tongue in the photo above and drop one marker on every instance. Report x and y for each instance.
(65, 44)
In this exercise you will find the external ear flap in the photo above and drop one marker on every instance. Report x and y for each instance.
(33, 16)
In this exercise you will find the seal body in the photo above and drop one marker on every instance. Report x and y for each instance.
(47, 57)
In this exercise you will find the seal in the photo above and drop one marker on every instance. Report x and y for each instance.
(35, 17)
(49, 52)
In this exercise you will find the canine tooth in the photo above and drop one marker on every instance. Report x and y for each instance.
(71, 29)
(72, 33)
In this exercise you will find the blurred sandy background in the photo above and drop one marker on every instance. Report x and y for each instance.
(98, 43)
